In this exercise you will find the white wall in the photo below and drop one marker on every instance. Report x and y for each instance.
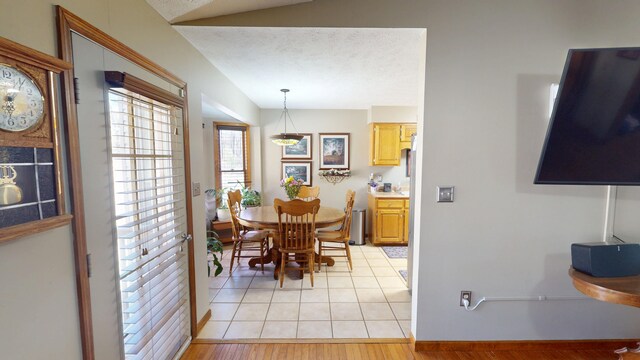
(391, 114)
(489, 66)
(485, 122)
(37, 271)
(38, 298)
(321, 121)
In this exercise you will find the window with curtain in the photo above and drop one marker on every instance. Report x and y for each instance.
(231, 144)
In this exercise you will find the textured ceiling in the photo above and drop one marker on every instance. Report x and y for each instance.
(185, 10)
(325, 68)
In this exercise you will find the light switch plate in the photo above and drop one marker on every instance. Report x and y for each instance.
(445, 193)
(195, 189)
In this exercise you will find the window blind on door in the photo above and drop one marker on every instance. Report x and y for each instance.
(147, 161)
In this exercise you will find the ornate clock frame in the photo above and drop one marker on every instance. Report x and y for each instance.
(43, 138)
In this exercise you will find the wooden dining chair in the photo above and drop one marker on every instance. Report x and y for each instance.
(338, 240)
(309, 193)
(296, 231)
(245, 240)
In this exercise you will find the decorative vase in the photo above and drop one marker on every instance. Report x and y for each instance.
(292, 191)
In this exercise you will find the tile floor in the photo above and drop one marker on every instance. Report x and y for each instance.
(372, 301)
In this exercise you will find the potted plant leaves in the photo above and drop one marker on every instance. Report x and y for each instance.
(214, 247)
(250, 197)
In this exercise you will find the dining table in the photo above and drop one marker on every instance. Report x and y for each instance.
(266, 218)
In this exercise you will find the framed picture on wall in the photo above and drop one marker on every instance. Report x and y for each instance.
(334, 151)
(299, 151)
(300, 170)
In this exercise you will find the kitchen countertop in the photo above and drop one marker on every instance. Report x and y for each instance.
(380, 194)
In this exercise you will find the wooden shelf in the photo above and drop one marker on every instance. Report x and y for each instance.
(621, 290)
(221, 225)
(223, 228)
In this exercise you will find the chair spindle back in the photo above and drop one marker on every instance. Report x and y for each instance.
(309, 193)
(297, 223)
(235, 197)
(346, 224)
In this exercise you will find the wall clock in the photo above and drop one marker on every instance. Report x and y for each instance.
(31, 196)
(22, 102)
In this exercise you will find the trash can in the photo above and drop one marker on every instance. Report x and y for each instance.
(358, 220)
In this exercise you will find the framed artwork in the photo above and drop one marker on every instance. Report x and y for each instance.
(299, 151)
(300, 170)
(334, 151)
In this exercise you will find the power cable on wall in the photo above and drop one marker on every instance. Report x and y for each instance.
(468, 306)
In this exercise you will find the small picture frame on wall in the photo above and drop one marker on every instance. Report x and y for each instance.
(300, 170)
(299, 151)
(334, 151)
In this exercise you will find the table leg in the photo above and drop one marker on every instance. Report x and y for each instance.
(326, 260)
(253, 262)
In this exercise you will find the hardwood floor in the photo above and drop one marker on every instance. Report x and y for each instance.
(373, 352)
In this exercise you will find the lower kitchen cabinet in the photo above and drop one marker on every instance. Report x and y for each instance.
(388, 222)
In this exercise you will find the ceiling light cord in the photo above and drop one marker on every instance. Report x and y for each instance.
(286, 139)
(286, 115)
(468, 307)
(285, 112)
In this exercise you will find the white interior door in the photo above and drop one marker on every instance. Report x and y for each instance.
(135, 211)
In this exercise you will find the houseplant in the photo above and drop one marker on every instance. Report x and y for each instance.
(222, 209)
(250, 197)
(214, 247)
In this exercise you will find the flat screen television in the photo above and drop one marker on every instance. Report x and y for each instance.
(594, 133)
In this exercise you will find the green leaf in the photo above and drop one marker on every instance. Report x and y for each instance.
(215, 246)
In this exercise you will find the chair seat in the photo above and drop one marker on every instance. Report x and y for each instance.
(329, 236)
(254, 235)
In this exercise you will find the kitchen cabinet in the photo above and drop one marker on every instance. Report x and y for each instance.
(386, 141)
(384, 144)
(389, 223)
(406, 132)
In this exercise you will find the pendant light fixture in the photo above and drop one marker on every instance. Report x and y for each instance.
(284, 139)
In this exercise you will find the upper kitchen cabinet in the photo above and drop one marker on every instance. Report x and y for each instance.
(384, 143)
(406, 132)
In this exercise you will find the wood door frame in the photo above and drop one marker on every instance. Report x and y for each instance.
(68, 23)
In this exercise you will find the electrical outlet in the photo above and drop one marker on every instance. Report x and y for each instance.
(465, 295)
(195, 189)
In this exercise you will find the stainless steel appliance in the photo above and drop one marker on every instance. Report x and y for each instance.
(412, 204)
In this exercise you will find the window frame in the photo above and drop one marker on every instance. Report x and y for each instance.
(217, 126)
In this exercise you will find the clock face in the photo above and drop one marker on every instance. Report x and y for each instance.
(21, 101)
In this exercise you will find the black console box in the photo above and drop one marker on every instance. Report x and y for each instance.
(606, 259)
